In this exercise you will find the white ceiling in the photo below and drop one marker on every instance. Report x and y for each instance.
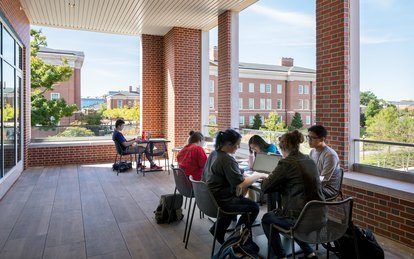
(130, 17)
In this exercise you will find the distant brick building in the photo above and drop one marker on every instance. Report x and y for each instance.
(283, 88)
(121, 99)
(69, 90)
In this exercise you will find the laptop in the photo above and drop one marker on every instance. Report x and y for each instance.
(265, 163)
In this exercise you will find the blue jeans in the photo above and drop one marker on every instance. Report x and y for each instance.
(237, 204)
(271, 218)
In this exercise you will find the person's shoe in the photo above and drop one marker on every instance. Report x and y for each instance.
(154, 166)
(309, 256)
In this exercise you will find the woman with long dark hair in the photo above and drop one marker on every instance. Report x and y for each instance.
(227, 183)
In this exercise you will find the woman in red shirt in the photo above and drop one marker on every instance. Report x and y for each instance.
(192, 158)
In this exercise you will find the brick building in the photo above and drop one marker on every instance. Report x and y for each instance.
(121, 99)
(283, 88)
(69, 90)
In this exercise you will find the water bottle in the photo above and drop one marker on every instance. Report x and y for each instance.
(143, 135)
(251, 161)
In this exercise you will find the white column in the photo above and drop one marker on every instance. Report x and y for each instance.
(235, 70)
(205, 70)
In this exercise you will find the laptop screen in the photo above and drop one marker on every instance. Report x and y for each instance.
(265, 163)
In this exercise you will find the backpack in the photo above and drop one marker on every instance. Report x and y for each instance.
(122, 166)
(368, 247)
(167, 211)
(238, 245)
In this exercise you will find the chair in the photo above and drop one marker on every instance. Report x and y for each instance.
(183, 185)
(158, 149)
(319, 222)
(121, 152)
(339, 193)
(208, 205)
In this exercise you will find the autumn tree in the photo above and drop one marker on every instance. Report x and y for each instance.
(43, 77)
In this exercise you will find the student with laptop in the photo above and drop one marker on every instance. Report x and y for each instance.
(224, 178)
(258, 145)
(296, 178)
(326, 159)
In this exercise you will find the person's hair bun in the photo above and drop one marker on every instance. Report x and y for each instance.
(191, 133)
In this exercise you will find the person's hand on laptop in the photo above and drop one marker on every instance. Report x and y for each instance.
(260, 175)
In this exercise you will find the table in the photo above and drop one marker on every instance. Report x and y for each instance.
(160, 145)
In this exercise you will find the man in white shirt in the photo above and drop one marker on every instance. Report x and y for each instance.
(326, 159)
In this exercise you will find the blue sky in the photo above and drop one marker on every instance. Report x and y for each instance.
(268, 30)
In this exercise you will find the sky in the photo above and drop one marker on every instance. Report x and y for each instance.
(268, 30)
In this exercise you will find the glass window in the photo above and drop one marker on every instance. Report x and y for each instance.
(19, 61)
(268, 88)
(269, 104)
(213, 120)
(279, 104)
(241, 120)
(262, 104)
(18, 118)
(308, 120)
(8, 105)
(300, 104)
(279, 88)
(306, 105)
(8, 47)
(306, 89)
(240, 103)
(300, 89)
(211, 102)
(240, 87)
(262, 88)
(251, 120)
(251, 103)
(54, 96)
(251, 87)
(119, 103)
(211, 86)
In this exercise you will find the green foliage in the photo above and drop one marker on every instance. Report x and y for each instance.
(43, 76)
(366, 97)
(362, 120)
(296, 122)
(257, 121)
(91, 118)
(76, 132)
(274, 123)
(128, 114)
(48, 113)
(373, 108)
(212, 131)
(8, 113)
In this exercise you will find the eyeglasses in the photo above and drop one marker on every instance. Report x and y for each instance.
(312, 138)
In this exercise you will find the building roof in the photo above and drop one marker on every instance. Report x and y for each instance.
(61, 51)
(124, 93)
(265, 67)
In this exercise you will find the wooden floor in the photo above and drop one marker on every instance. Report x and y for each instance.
(86, 211)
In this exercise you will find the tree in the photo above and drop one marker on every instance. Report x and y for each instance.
(382, 126)
(43, 76)
(373, 108)
(257, 121)
(296, 121)
(366, 97)
(274, 123)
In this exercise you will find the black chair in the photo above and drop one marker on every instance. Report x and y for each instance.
(183, 185)
(339, 192)
(121, 152)
(319, 222)
(208, 205)
(158, 149)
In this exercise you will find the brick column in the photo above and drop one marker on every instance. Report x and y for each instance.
(152, 89)
(182, 81)
(332, 60)
(228, 63)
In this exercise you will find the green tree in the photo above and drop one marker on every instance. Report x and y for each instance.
(296, 121)
(382, 126)
(366, 97)
(257, 121)
(76, 132)
(43, 76)
(373, 108)
(274, 123)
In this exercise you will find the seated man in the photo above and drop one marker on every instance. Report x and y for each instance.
(130, 146)
(326, 159)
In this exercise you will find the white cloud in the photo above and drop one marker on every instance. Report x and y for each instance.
(295, 19)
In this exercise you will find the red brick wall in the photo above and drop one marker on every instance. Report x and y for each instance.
(224, 71)
(20, 23)
(182, 48)
(65, 155)
(332, 59)
(387, 216)
(153, 90)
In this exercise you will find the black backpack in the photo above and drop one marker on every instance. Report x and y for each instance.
(169, 209)
(368, 247)
(122, 166)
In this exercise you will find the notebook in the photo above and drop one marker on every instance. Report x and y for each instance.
(265, 163)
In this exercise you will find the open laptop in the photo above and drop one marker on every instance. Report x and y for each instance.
(265, 163)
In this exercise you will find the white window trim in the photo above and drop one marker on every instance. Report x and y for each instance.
(51, 96)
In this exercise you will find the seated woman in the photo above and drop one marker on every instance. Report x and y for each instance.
(224, 178)
(192, 157)
(296, 178)
(258, 145)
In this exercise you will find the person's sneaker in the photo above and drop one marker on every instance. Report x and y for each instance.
(154, 166)
(309, 256)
